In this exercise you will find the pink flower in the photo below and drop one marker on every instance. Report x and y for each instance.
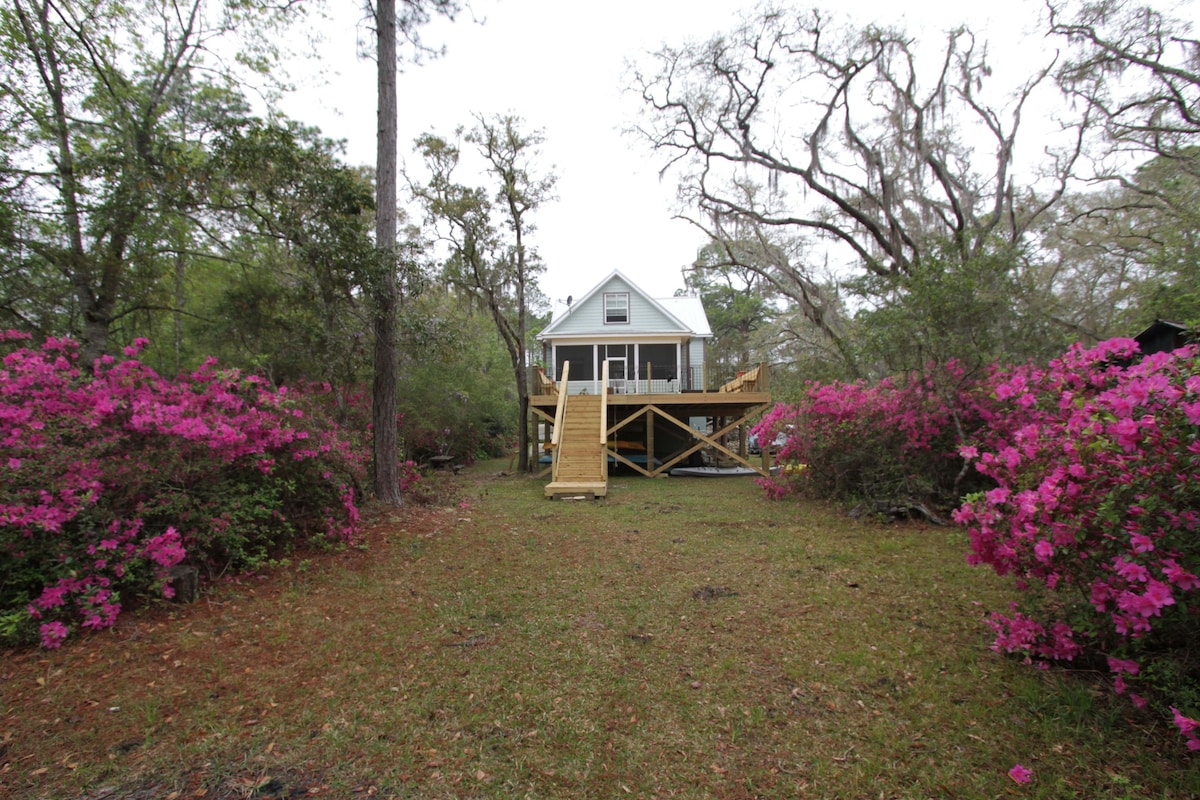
(1131, 571)
(1127, 433)
(1020, 774)
(1120, 665)
(166, 549)
(1141, 543)
(53, 634)
(1044, 551)
(1187, 726)
(1159, 594)
(138, 345)
(1178, 575)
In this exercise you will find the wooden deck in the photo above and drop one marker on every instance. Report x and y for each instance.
(649, 433)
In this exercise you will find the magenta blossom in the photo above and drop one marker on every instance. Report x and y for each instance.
(1020, 774)
(112, 474)
(1094, 495)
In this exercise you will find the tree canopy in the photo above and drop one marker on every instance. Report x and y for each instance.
(846, 164)
(486, 228)
(106, 109)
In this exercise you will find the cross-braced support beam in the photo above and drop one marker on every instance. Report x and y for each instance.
(703, 439)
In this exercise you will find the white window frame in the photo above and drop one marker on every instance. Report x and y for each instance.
(623, 305)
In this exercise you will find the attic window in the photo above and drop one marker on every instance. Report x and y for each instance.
(616, 308)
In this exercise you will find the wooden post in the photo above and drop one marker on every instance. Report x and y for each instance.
(649, 440)
(535, 463)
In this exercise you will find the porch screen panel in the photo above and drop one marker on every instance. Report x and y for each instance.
(580, 356)
(661, 358)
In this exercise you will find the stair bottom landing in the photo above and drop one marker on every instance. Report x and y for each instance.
(563, 490)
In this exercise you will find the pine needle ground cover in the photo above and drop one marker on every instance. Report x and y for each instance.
(683, 638)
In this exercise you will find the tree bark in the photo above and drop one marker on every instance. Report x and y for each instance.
(384, 392)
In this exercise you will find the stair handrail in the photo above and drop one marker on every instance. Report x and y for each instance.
(560, 413)
(604, 423)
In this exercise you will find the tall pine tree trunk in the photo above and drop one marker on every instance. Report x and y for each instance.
(384, 392)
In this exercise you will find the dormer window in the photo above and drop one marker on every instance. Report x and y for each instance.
(616, 308)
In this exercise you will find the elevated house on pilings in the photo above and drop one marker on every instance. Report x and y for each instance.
(627, 385)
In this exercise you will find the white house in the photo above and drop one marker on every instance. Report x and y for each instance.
(652, 345)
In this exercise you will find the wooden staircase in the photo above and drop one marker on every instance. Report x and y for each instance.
(580, 468)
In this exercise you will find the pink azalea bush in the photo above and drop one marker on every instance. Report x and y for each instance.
(1095, 510)
(1082, 480)
(897, 438)
(410, 475)
(110, 475)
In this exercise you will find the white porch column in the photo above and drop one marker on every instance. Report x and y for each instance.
(596, 381)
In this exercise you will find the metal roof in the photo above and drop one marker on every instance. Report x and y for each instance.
(689, 311)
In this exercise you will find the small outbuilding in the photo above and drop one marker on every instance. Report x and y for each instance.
(1164, 336)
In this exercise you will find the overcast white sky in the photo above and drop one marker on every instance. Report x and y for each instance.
(559, 64)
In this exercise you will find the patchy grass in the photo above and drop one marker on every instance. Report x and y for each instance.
(683, 638)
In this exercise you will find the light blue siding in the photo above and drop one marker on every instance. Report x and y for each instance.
(587, 316)
(696, 355)
(581, 334)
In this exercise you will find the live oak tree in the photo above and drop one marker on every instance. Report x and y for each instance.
(1171, 231)
(856, 145)
(1114, 257)
(974, 313)
(1122, 247)
(1136, 69)
(487, 228)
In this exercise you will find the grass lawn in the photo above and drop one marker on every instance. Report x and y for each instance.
(682, 638)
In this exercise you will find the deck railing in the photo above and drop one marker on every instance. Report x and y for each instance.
(751, 380)
(648, 381)
(543, 383)
(560, 413)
